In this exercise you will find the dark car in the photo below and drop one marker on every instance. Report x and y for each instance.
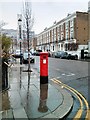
(25, 58)
(72, 57)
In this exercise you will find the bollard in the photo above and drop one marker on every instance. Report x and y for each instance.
(4, 73)
(82, 54)
(43, 82)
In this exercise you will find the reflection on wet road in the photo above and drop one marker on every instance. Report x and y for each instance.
(43, 98)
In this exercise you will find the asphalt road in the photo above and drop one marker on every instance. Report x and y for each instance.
(71, 72)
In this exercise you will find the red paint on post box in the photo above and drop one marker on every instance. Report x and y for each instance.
(43, 67)
(43, 64)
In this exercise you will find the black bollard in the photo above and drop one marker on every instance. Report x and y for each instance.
(4, 73)
(82, 54)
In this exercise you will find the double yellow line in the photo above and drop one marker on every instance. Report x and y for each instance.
(79, 96)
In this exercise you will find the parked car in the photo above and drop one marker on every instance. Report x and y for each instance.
(17, 54)
(52, 54)
(61, 54)
(72, 56)
(37, 52)
(25, 58)
(86, 54)
(57, 54)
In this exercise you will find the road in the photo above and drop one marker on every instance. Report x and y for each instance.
(71, 72)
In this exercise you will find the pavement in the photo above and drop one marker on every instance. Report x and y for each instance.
(25, 98)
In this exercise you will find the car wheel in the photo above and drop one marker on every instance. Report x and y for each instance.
(33, 61)
(23, 62)
(76, 57)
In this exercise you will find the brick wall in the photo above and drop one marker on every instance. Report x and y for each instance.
(81, 28)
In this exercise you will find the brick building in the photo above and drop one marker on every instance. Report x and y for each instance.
(66, 34)
(34, 43)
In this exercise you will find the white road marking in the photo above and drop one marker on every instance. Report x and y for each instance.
(63, 74)
(69, 74)
(58, 77)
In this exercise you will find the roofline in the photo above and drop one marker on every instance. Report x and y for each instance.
(62, 21)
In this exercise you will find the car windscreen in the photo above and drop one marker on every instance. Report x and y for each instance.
(25, 55)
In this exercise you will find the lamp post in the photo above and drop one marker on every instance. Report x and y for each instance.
(20, 37)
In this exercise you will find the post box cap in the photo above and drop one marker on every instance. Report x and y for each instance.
(43, 53)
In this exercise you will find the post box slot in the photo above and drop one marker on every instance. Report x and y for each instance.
(44, 56)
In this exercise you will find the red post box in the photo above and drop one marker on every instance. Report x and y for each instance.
(43, 67)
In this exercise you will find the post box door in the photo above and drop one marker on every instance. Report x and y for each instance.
(44, 65)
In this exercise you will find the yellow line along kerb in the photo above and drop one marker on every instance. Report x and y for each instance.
(79, 113)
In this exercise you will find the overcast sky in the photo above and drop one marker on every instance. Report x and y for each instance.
(45, 12)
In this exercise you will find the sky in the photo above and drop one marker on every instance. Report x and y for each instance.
(45, 12)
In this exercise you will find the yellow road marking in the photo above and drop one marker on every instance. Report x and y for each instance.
(79, 113)
(88, 115)
(83, 99)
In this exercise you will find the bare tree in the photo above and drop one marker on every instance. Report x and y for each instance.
(28, 24)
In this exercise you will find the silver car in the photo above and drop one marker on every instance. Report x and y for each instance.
(25, 58)
(61, 54)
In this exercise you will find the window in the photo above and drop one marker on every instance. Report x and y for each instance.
(67, 25)
(84, 28)
(53, 48)
(61, 27)
(61, 45)
(71, 23)
(71, 34)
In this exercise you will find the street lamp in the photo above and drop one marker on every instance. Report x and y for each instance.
(20, 37)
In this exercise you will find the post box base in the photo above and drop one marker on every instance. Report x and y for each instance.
(42, 106)
(43, 109)
(43, 79)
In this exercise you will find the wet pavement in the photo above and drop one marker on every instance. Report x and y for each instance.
(26, 98)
